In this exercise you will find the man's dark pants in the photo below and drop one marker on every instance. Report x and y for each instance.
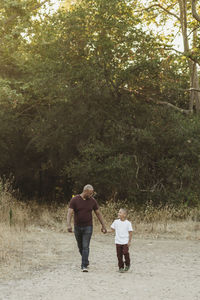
(83, 235)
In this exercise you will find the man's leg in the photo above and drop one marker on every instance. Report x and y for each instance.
(87, 233)
(119, 249)
(78, 236)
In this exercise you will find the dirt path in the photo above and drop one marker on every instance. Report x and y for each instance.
(161, 270)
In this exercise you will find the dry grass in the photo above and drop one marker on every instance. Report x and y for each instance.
(30, 235)
(166, 222)
(24, 227)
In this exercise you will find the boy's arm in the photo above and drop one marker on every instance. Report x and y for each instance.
(110, 230)
(130, 238)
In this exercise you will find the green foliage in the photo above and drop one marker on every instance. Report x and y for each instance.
(9, 97)
(78, 93)
(159, 162)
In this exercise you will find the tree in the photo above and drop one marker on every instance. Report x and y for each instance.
(180, 12)
(77, 104)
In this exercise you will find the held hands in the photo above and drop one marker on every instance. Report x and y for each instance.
(104, 230)
(69, 229)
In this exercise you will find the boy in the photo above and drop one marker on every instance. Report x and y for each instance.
(123, 235)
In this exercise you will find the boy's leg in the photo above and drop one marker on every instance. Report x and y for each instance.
(119, 249)
(126, 255)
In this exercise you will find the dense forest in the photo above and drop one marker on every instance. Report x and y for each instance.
(97, 92)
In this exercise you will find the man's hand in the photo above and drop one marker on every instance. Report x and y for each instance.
(104, 230)
(100, 218)
(129, 243)
(69, 216)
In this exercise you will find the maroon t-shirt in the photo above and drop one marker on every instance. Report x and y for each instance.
(83, 210)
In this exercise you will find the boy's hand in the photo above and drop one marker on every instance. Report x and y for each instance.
(129, 244)
(110, 230)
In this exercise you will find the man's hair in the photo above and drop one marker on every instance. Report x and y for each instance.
(88, 187)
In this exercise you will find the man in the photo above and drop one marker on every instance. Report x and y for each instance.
(82, 206)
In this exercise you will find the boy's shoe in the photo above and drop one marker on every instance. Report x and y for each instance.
(126, 268)
(121, 270)
(84, 270)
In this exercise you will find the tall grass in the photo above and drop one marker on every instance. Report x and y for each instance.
(18, 220)
(24, 226)
(182, 222)
(20, 216)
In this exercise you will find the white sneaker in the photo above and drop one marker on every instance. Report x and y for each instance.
(84, 270)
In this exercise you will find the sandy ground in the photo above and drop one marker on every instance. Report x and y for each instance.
(49, 269)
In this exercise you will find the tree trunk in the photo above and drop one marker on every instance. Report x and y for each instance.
(195, 82)
(194, 79)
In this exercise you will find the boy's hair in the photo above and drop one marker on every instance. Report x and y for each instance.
(124, 210)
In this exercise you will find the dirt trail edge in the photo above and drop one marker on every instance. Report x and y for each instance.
(161, 269)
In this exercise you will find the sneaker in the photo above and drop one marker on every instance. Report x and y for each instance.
(121, 270)
(126, 268)
(84, 270)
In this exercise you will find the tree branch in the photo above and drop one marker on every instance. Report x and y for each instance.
(193, 89)
(194, 12)
(171, 48)
(11, 18)
(163, 8)
(193, 30)
(136, 162)
(186, 54)
(185, 111)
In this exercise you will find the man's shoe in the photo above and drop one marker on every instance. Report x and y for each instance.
(126, 268)
(121, 270)
(84, 270)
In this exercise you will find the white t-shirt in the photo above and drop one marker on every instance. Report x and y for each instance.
(122, 229)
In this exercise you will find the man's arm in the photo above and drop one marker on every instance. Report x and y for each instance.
(100, 218)
(130, 238)
(69, 217)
